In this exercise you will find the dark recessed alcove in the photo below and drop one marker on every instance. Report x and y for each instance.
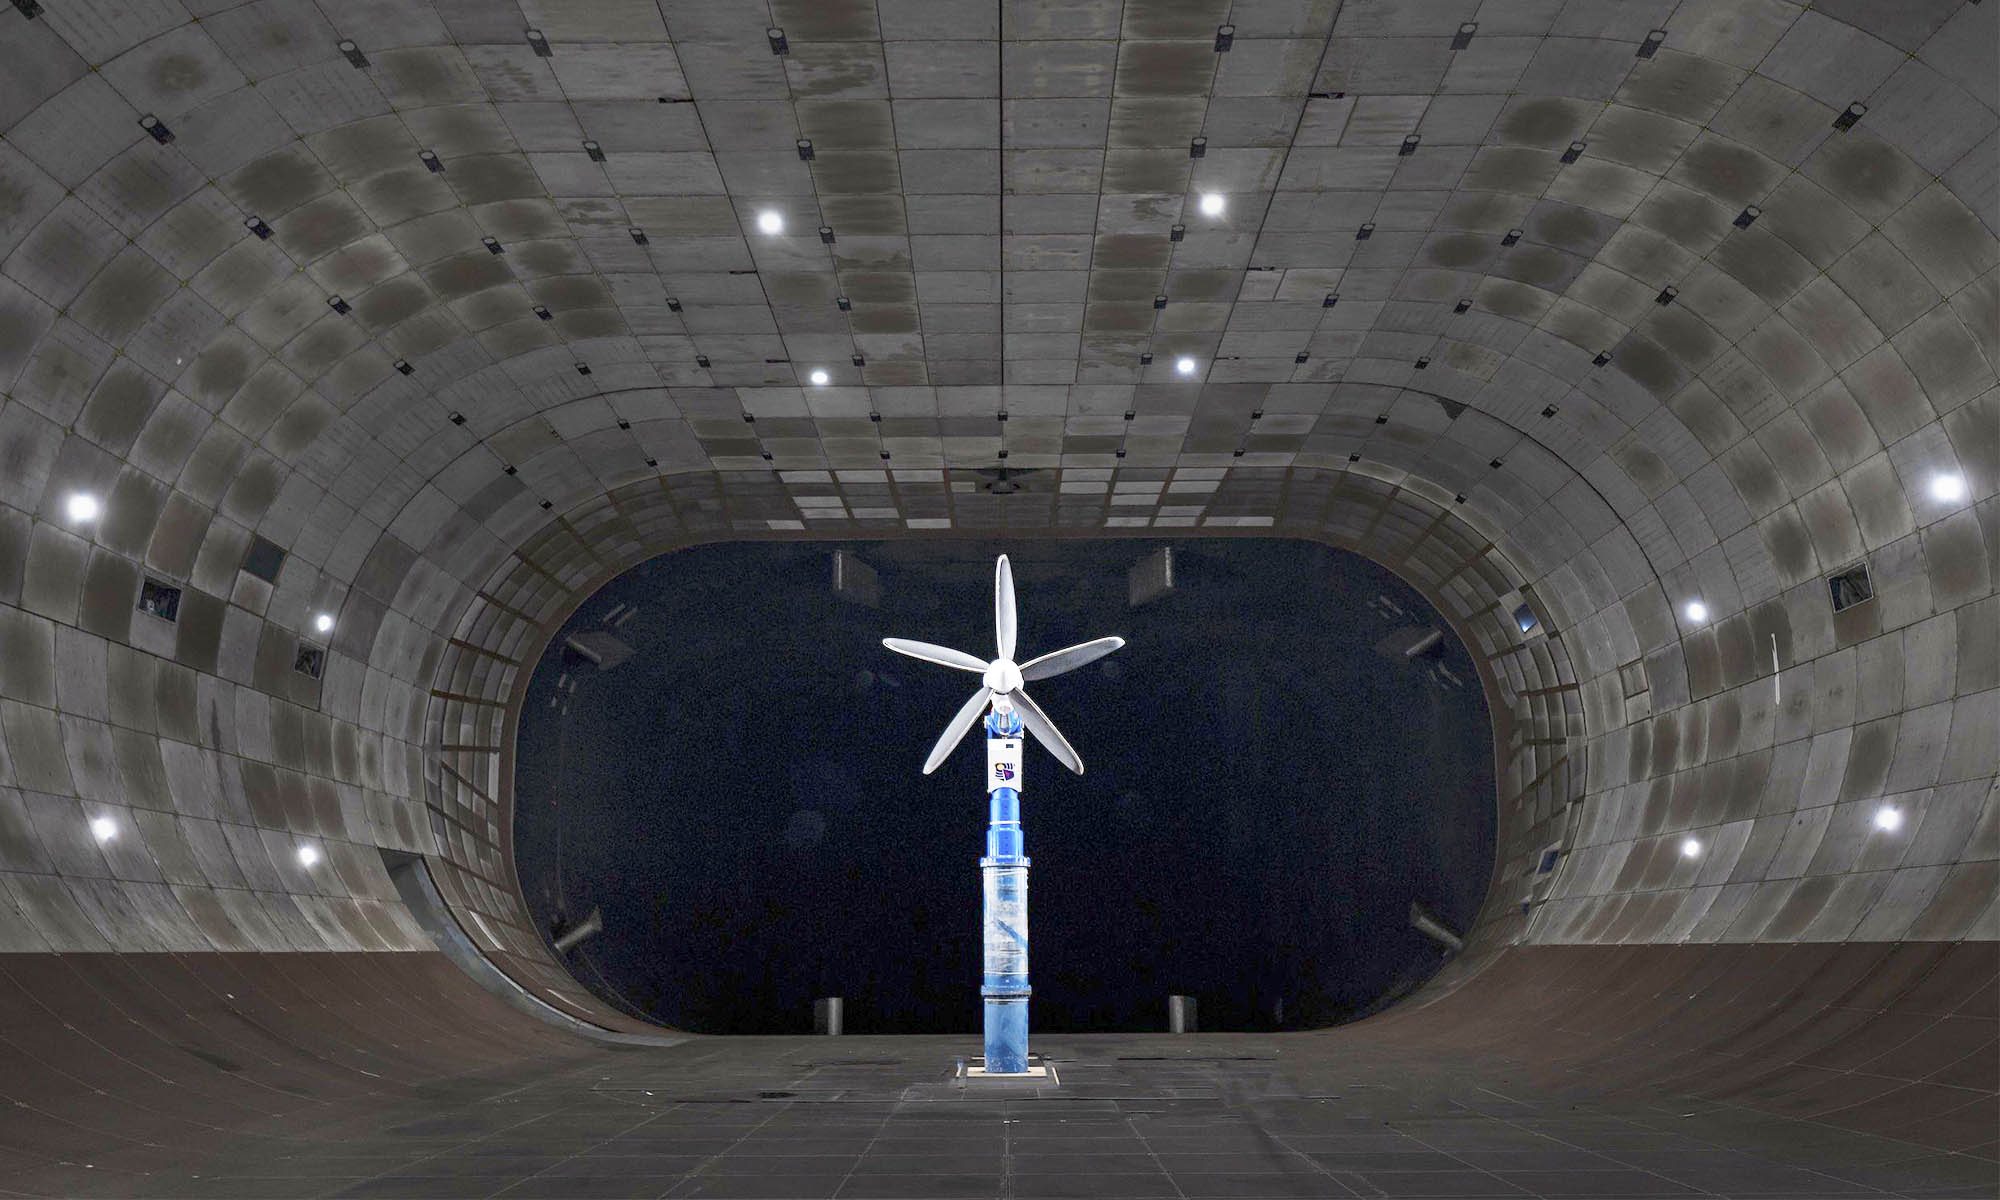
(1279, 763)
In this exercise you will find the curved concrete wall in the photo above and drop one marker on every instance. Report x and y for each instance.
(1002, 217)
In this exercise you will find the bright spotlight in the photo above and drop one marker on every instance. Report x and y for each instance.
(308, 855)
(82, 506)
(1185, 366)
(771, 221)
(819, 378)
(1690, 848)
(103, 828)
(1948, 488)
(323, 623)
(1697, 611)
(1212, 204)
(1889, 818)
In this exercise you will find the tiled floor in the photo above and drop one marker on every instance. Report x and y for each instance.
(1226, 1116)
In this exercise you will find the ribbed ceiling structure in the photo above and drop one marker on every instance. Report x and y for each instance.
(1650, 316)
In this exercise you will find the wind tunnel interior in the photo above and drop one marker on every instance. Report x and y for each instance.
(718, 756)
(346, 349)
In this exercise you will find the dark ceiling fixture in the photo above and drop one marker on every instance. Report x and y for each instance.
(1003, 481)
(595, 151)
(1575, 151)
(1225, 37)
(1463, 37)
(355, 58)
(1198, 148)
(1513, 235)
(492, 245)
(1846, 120)
(776, 37)
(805, 149)
(157, 128)
(539, 44)
(431, 161)
(1651, 45)
(256, 225)
(1410, 145)
(1748, 216)
(638, 235)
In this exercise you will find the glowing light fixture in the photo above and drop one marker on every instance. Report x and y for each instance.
(1184, 365)
(1697, 611)
(1948, 488)
(1212, 204)
(308, 855)
(103, 828)
(1690, 848)
(819, 378)
(82, 506)
(1888, 818)
(771, 221)
(323, 623)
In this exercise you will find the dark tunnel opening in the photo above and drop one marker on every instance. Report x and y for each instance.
(717, 754)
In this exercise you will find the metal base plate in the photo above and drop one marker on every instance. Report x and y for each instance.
(1037, 1072)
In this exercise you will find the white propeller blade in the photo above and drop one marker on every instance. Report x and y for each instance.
(1083, 654)
(1003, 608)
(955, 732)
(943, 656)
(1045, 732)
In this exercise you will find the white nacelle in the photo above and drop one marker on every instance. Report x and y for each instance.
(1002, 676)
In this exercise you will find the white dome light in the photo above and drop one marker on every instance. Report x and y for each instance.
(1697, 611)
(1185, 366)
(1690, 848)
(1948, 488)
(308, 855)
(819, 378)
(82, 506)
(771, 221)
(1212, 204)
(103, 828)
(323, 622)
(1889, 818)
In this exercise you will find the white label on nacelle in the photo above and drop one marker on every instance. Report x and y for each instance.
(1003, 763)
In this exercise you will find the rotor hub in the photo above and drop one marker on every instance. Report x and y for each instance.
(1002, 676)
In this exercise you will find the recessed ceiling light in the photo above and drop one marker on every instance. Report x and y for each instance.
(308, 855)
(1212, 204)
(1690, 848)
(820, 378)
(771, 221)
(1184, 365)
(82, 506)
(1889, 818)
(1697, 611)
(323, 622)
(103, 828)
(1948, 487)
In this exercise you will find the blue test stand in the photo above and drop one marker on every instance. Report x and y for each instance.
(1004, 871)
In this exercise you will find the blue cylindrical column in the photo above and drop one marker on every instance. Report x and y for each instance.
(1004, 878)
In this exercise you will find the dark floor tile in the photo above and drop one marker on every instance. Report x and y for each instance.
(1436, 1183)
(751, 1187)
(426, 1187)
(1416, 1160)
(1245, 1186)
(1092, 1185)
(1596, 1185)
(566, 1187)
(919, 1187)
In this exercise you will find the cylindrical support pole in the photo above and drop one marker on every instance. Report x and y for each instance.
(1004, 879)
(827, 1016)
(1181, 1015)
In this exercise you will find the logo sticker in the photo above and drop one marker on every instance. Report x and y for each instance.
(1003, 770)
